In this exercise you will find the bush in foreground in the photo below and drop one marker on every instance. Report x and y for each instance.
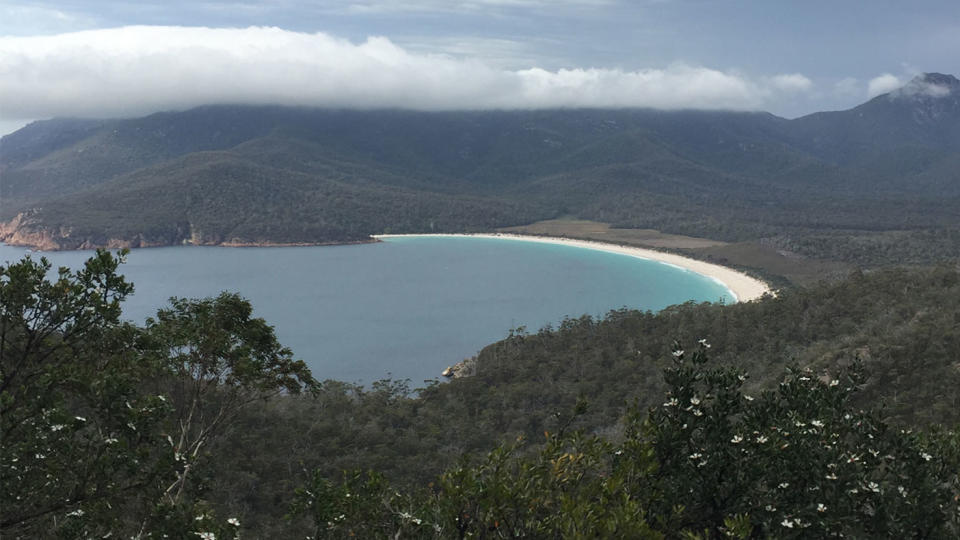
(710, 462)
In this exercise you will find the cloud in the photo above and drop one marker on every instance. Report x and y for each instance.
(848, 87)
(136, 70)
(883, 84)
(461, 6)
(793, 82)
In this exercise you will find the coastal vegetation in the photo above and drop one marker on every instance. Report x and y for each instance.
(825, 410)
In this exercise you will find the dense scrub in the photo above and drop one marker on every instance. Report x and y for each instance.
(110, 427)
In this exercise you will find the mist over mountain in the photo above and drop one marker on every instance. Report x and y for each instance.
(271, 174)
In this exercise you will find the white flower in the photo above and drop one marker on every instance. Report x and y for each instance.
(926, 456)
(111, 440)
(694, 400)
(672, 403)
(417, 521)
(834, 382)
(206, 535)
(618, 453)
(234, 521)
(697, 412)
(703, 343)
(678, 353)
(769, 508)
(80, 418)
(405, 515)
(783, 485)
(76, 513)
(821, 507)
(696, 455)
(787, 523)
(762, 439)
(741, 378)
(872, 486)
(748, 398)
(816, 423)
(902, 490)
(831, 476)
(57, 427)
(737, 439)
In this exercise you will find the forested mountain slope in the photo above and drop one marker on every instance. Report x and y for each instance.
(867, 176)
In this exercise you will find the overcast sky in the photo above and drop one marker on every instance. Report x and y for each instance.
(106, 58)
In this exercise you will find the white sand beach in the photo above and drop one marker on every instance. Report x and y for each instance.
(744, 287)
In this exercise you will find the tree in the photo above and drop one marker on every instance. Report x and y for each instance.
(710, 462)
(103, 422)
(216, 358)
(81, 443)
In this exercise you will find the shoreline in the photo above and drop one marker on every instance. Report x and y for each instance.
(43, 248)
(743, 287)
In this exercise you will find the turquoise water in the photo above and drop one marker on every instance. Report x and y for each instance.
(405, 307)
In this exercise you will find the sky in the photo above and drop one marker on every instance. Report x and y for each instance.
(107, 58)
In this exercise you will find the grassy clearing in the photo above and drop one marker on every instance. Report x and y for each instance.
(778, 266)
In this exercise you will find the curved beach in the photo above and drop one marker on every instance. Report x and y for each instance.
(743, 287)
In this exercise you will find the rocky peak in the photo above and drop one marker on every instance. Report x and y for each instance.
(929, 85)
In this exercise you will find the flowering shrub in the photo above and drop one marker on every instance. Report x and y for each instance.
(798, 460)
(710, 462)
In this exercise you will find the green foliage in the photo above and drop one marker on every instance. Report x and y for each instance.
(800, 461)
(104, 422)
(109, 428)
(79, 433)
(710, 462)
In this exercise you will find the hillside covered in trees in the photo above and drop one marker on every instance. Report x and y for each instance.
(877, 183)
(826, 410)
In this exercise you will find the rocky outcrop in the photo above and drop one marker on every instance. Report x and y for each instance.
(465, 368)
(25, 230)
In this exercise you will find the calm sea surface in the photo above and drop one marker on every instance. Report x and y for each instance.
(406, 307)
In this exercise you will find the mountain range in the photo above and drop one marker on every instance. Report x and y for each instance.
(887, 170)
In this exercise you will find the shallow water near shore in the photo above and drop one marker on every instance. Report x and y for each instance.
(405, 307)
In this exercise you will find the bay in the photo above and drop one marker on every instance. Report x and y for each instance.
(406, 307)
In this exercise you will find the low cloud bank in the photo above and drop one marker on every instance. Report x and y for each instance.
(136, 70)
(883, 84)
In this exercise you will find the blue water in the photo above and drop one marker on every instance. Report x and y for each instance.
(406, 307)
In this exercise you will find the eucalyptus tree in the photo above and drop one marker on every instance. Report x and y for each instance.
(104, 423)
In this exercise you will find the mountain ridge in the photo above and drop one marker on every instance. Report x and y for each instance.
(301, 175)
